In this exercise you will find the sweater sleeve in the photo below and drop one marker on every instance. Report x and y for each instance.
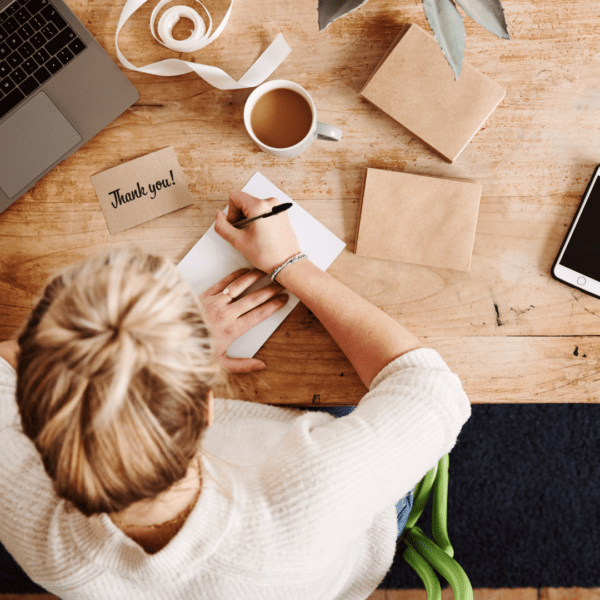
(9, 413)
(27, 498)
(356, 466)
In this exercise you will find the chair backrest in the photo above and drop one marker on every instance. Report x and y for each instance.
(425, 555)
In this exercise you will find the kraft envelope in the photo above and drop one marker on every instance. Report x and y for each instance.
(414, 84)
(417, 219)
(141, 190)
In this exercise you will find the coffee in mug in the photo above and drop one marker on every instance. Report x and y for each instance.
(281, 117)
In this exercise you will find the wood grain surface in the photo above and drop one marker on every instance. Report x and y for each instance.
(447, 594)
(507, 328)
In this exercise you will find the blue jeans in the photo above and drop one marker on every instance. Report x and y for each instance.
(405, 505)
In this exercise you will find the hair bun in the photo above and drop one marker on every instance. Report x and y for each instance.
(114, 368)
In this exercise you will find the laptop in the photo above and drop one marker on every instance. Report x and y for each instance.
(58, 89)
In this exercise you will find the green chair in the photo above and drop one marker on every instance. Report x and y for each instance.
(425, 555)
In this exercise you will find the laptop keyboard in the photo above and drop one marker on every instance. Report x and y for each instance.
(35, 44)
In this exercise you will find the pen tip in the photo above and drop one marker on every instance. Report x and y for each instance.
(281, 207)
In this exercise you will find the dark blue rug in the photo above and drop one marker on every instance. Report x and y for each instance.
(12, 578)
(523, 501)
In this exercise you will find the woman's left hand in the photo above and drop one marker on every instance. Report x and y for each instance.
(230, 316)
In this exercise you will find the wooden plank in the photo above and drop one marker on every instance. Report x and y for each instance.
(447, 594)
(570, 593)
(524, 369)
(304, 367)
(501, 594)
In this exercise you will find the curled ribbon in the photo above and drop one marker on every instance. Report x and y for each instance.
(266, 63)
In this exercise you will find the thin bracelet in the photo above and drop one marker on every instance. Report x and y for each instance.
(299, 256)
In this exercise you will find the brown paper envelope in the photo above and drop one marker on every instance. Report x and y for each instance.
(415, 85)
(141, 190)
(417, 219)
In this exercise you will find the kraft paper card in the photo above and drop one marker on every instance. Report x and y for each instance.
(417, 219)
(141, 190)
(414, 84)
(212, 258)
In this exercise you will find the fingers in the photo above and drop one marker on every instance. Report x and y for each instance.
(242, 283)
(257, 315)
(226, 230)
(243, 205)
(251, 301)
(238, 206)
(235, 283)
(223, 283)
(242, 365)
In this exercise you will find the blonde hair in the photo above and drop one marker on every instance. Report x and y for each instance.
(114, 368)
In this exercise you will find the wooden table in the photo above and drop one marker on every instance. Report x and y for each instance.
(510, 331)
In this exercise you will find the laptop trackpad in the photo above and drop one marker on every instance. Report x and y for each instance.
(31, 141)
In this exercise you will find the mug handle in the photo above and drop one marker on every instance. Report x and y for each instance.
(328, 132)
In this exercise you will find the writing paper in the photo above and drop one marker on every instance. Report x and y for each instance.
(212, 258)
(142, 189)
(417, 219)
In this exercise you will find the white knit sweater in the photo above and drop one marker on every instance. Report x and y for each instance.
(296, 505)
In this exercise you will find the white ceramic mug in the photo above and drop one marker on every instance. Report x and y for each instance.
(317, 130)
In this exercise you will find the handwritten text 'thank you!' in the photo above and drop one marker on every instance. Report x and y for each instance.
(140, 191)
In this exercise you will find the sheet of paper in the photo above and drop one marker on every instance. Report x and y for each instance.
(212, 258)
(142, 189)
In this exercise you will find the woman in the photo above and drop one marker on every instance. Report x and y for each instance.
(122, 477)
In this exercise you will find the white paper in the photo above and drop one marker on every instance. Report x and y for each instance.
(212, 258)
(267, 62)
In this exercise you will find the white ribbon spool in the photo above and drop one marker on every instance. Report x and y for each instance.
(171, 17)
(267, 62)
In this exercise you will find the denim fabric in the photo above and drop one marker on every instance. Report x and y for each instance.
(403, 509)
(404, 506)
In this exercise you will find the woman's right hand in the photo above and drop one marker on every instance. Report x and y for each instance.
(266, 243)
(370, 338)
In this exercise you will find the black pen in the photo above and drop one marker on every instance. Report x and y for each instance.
(276, 210)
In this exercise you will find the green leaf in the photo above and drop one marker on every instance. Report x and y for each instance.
(330, 10)
(449, 30)
(489, 14)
